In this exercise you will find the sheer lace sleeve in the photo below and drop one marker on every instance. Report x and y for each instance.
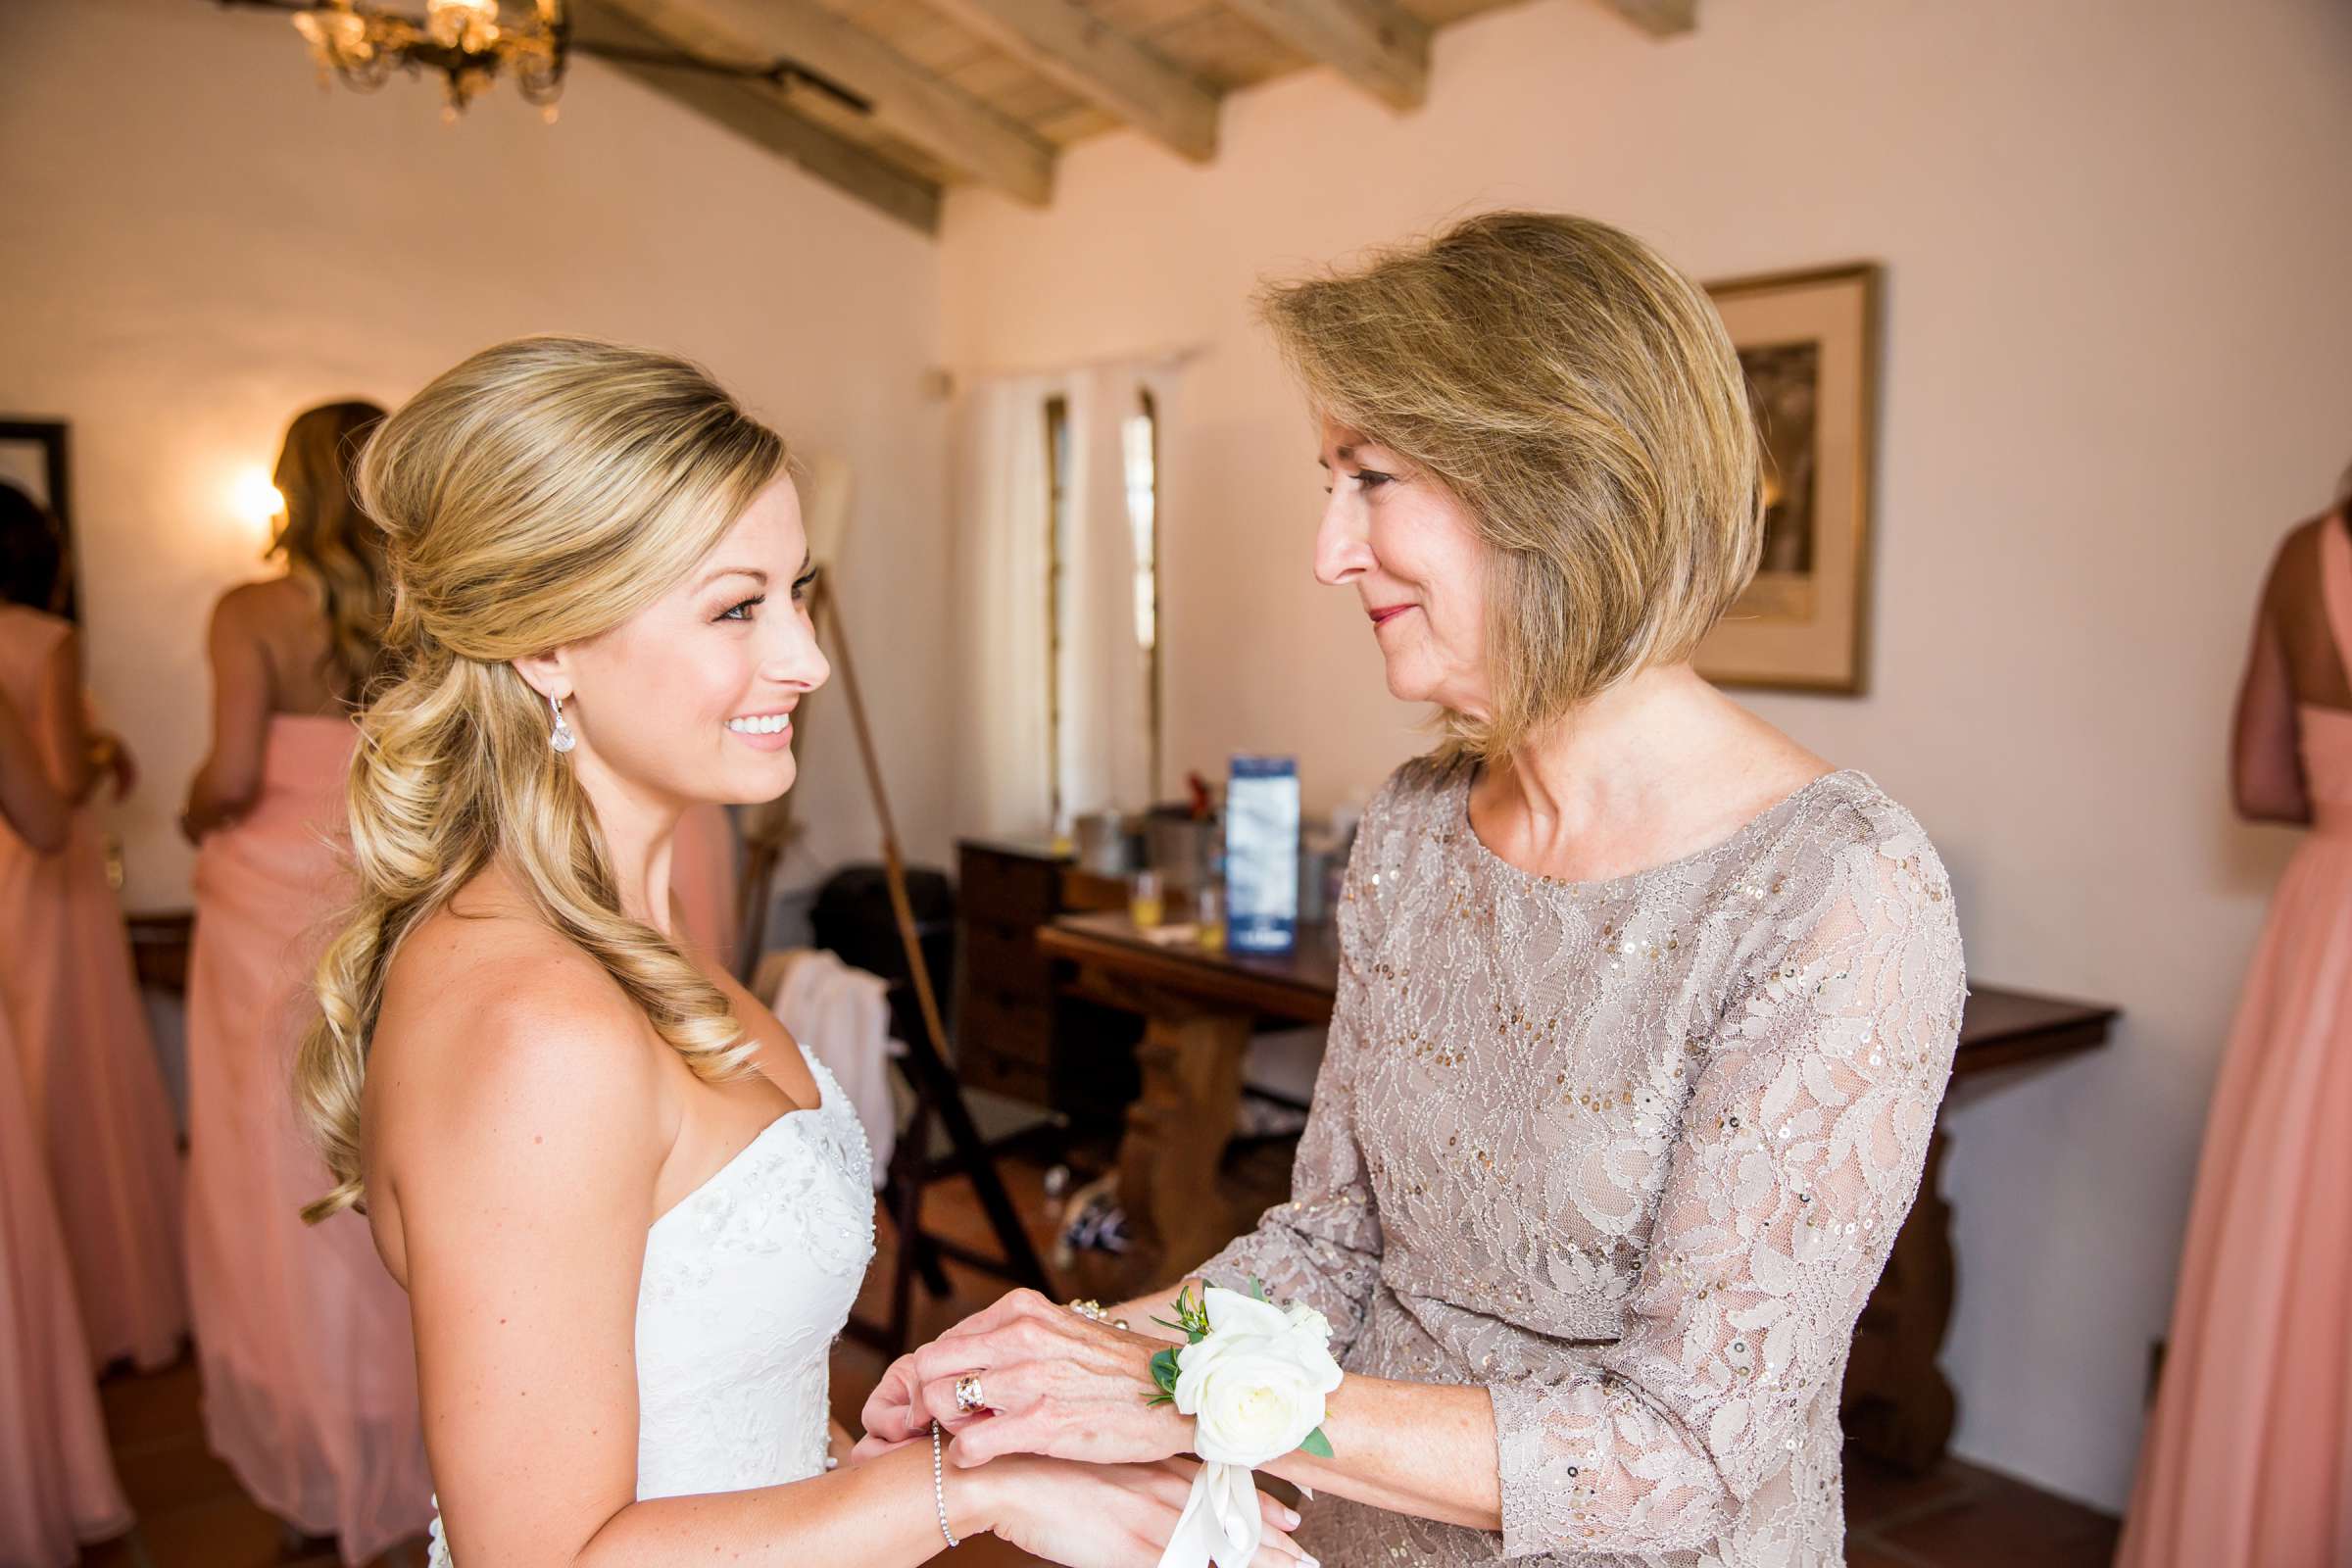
(1798, 1156)
(1323, 1246)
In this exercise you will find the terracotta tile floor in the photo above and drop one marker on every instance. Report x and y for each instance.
(192, 1514)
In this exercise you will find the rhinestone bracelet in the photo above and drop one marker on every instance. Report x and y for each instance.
(1092, 1312)
(939, 1487)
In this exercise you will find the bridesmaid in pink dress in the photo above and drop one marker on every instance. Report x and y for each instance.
(85, 1058)
(702, 881)
(57, 1481)
(310, 1385)
(2248, 1458)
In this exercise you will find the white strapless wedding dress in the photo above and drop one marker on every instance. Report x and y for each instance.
(746, 1282)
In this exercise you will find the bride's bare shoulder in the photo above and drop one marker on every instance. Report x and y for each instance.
(496, 1032)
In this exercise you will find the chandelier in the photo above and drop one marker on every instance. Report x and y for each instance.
(471, 43)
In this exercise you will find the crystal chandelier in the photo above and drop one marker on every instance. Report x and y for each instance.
(469, 42)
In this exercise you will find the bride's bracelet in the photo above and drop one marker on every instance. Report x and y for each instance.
(939, 1487)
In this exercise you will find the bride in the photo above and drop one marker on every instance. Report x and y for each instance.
(630, 1211)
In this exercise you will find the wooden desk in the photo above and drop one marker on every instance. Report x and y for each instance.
(1199, 1007)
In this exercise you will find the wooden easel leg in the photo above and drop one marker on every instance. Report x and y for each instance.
(926, 1058)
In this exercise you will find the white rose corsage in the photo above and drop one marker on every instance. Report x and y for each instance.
(1253, 1376)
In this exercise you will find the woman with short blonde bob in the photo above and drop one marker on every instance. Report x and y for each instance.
(1644, 1010)
(629, 1210)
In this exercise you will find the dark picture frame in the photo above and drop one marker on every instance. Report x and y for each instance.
(35, 456)
(1809, 341)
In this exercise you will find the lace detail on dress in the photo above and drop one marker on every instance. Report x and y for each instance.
(746, 1283)
(1629, 1154)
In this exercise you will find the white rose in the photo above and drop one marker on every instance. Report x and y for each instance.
(1255, 1387)
(1308, 1324)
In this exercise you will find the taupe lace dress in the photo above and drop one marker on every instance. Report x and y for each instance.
(1631, 1154)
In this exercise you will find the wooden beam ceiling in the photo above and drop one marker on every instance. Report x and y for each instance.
(1660, 18)
(1065, 41)
(907, 101)
(1373, 43)
(760, 113)
(970, 89)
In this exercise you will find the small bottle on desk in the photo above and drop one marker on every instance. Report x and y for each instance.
(1147, 906)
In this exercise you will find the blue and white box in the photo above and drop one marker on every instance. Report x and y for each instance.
(1262, 854)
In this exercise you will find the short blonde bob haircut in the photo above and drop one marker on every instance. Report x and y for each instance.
(1583, 401)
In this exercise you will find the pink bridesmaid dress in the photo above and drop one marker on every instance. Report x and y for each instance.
(702, 881)
(2248, 1458)
(87, 1062)
(57, 1481)
(302, 1339)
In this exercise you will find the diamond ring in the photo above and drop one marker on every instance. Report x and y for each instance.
(968, 1396)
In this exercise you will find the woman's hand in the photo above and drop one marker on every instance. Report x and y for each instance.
(1110, 1516)
(1052, 1383)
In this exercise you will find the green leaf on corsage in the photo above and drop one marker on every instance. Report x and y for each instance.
(1316, 1444)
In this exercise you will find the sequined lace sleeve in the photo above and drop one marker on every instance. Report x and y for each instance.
(1800, 1154)
(1323, 1246)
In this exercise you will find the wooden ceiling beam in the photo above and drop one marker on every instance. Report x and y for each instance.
(907, 101)
(761, 114)
(1064, 40)
(1660, 18)
(1376, 44)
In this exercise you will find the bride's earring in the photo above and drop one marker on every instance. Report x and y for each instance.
(563, 739)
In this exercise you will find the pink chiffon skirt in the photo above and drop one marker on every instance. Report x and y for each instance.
(57, 1481)
(702, 882)
(87, 1067)
(304, 1342)
(2248, 1458)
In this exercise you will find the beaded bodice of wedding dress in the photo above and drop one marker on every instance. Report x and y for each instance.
(746, 1283)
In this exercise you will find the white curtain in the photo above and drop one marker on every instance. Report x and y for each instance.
(1002, 495)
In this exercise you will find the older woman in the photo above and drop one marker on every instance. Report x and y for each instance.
(1645, 1012)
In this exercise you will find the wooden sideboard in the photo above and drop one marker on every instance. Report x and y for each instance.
(1017, 1033)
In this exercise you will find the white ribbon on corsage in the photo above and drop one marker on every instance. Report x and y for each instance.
(1252, 1378)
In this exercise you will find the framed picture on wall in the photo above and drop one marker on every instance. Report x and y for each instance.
(32, 458)
(1809, 343)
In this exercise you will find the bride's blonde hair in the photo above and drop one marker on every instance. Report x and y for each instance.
(540, 492)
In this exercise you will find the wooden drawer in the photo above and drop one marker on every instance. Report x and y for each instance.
(1004, 1075)
(1007, 1026)
(1004, 958)
(1005, 889)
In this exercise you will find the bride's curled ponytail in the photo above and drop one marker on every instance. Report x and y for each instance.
(538, 494)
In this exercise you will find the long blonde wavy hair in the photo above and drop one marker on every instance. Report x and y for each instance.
(328, 537)
(540, 492)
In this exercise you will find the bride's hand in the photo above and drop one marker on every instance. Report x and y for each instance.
(1051, 1382)
(1110, 1516)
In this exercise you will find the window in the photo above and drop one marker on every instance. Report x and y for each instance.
(1100, 499)
(1058, 528)
(1140, 444)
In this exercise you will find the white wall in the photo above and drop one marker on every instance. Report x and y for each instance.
(196, 242)
(2119, 361)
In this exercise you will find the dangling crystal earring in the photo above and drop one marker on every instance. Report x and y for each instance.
(562, 740)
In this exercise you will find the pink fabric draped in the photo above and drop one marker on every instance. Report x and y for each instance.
(86, 1061)
(2248, 1458)
(310, 1384)
(702, 882)
(57, 1480)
